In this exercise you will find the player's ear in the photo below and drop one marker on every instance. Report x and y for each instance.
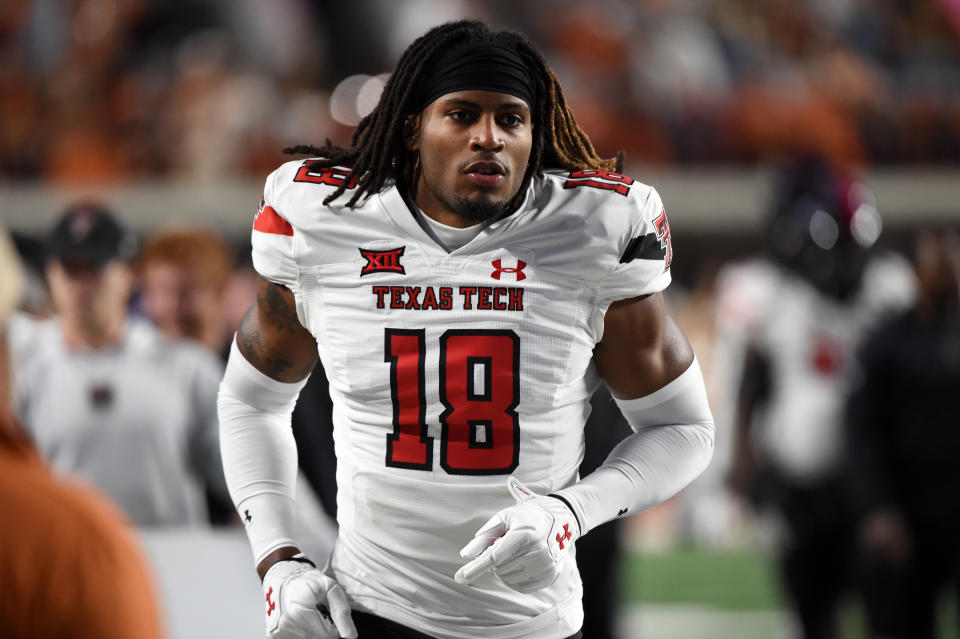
(411, 132)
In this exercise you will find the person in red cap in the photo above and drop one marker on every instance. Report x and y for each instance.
(105, 396)
(70, 564)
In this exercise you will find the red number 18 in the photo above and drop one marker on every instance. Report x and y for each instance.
(479, 390)
(606, 180)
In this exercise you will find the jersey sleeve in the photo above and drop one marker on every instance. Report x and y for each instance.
(645, 252)
(273, 240)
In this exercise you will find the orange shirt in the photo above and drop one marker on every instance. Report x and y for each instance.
(68, 563)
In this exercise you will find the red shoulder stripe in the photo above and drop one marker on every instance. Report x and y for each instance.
(269, 221)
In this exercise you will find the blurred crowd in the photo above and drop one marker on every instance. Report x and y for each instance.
(111, 90)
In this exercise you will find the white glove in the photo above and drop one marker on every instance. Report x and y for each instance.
(303, 603)
(523, 544)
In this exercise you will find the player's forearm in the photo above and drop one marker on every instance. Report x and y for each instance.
(259, 453)
(673, 445)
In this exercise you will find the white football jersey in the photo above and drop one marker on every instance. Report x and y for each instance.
(810, 341)
(451, 371)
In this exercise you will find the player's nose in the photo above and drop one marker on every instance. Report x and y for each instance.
(486, 134)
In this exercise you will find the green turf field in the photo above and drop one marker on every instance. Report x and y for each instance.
(694, 593)
(729, 581)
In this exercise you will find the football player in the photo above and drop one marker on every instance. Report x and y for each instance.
(468, 270)
(788, 326)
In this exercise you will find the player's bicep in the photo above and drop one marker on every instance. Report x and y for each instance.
(642, 349)
(271, 337)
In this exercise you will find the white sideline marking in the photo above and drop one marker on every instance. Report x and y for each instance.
(666, 621)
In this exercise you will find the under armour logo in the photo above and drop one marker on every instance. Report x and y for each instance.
(270, 604)
(623, 511)
(247, 516)
(518, 271)
(564, 536)
(382, 261)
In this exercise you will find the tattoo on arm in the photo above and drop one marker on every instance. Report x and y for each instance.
(276, 308)
(278, 353)
(250, 343)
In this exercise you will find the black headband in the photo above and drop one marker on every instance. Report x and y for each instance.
(483, 66)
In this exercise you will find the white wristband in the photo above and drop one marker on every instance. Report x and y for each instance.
(672, 446)
(259, 452)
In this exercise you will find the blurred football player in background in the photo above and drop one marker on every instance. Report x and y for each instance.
(469, 270)
(69, 563)
(905, 446)
(135, 412)
(788, 325)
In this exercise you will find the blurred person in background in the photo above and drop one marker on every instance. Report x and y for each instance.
(468, 186)
(107, 397)
(904, 426)
(185, 272)
(184, 275)
(188, 277)
(69, 563)
(146, 89)
(788, 325)
(12, 287)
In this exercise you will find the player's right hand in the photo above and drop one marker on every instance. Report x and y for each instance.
(524, 545)
(301, 602)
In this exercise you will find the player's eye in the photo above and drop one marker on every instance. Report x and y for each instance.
(512, 120)
(461, 116)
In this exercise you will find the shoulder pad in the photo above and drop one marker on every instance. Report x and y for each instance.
(622, 208)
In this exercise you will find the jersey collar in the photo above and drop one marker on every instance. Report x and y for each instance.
(401, 213)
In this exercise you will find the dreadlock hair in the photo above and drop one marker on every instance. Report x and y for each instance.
(377, 151)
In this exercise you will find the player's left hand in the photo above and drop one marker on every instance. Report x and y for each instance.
(522, 544)
(301, 602)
